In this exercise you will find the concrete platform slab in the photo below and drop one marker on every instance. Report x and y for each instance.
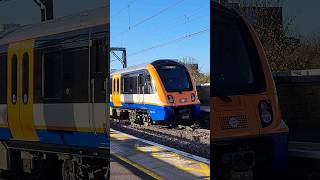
(158, 161)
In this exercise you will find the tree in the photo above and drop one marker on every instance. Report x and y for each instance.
(197, 76)
(284, 51)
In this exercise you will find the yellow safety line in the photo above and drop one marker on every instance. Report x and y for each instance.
(173, 158)
(141, 168)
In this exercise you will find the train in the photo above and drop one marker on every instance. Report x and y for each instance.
(153, 93)
(53, 112)
(249, 138)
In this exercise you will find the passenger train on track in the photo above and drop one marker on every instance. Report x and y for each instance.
(52, 97)
(248, 136)
(156, 92)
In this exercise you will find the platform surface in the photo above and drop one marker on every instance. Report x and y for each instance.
(304, 149)
(123, 170)
(156, 161)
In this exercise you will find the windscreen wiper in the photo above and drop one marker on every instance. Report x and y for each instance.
(224, 98)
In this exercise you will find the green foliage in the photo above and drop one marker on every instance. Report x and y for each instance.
(283, 50)
(196, 74)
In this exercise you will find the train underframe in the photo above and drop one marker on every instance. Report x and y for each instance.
(37, 161)
(178, 116)
(250, 159)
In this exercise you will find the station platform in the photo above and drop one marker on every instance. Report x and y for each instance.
(144, 159)
(124, 170)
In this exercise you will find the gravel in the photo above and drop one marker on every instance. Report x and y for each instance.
(184, 138)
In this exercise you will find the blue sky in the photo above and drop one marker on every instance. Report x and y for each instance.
(150, 28)
(306, 14)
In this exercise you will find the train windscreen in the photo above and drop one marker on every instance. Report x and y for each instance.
(236, 65)
(175, 78)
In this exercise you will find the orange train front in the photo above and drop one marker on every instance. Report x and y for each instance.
(248, 136)
(160, 91)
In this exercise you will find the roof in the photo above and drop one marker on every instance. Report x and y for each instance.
(217, 6)
(82, 20)
(140, 66)
(130, 69)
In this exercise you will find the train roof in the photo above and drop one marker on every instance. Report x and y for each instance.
(82, 20)
(141, 66)
(221, 8)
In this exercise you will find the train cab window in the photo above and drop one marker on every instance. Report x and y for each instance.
(236, 65)
(52, 64)
(175, 78)
(3, 78)
(14, 79)
(25, 78)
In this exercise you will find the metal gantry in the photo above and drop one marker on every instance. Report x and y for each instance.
(123, 58)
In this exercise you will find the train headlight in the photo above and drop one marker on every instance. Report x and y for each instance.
(170, 99)
(265, 111)
(193, 97)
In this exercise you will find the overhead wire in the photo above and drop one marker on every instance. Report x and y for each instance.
(181, 38)
(149, 17)
(187, 36)
(179, 20)
(124, 8)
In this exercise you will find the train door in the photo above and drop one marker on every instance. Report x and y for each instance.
(98, 68)
(116, 87)
(20, 90)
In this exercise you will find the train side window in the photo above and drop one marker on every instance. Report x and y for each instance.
(125, 84)
(52, 75)
(14, 79)
(130, 84)
(114, 86)
(25, 78)
(118, 86)
(134, 84)
(75, 74)
(3, 78)
(99, 67)
(141, 83)
(148, 89)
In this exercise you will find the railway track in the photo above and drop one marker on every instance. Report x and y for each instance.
(192, 139)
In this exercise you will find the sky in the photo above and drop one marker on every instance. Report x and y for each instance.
(306, 13)
(150, 29)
